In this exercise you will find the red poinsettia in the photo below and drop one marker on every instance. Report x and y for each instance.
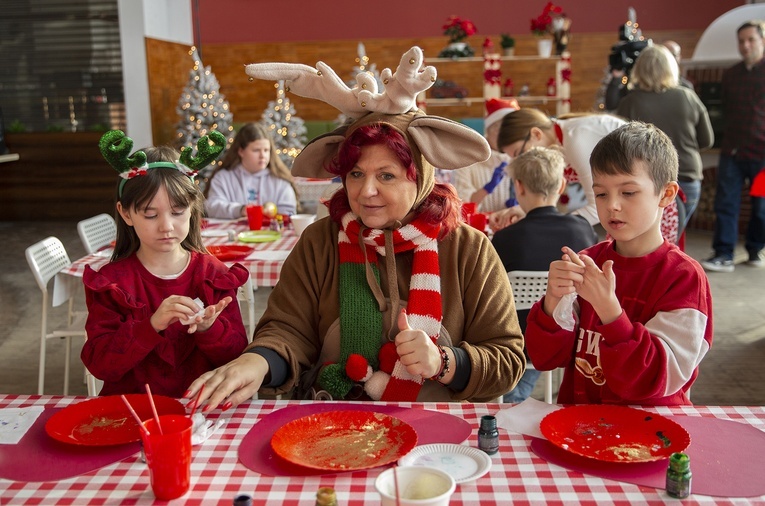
(458, 29)
(542, 24)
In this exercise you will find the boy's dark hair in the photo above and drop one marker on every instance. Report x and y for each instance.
(617, 152)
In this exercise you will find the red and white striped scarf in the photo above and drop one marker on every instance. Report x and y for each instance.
(424, 301)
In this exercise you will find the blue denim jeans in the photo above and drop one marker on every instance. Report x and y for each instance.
(523, 389)
(731, 176)
(692, 190)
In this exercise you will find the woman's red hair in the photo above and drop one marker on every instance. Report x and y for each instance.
(442, 205)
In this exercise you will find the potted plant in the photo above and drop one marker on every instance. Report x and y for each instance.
(508, 44)
(458, 29)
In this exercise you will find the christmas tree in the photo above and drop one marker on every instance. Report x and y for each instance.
(362, 65)
(287, 130)
(202, 109)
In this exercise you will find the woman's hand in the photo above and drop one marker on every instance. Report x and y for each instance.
(172, 309)
(416, 350)
(204, 322)
(230, 384)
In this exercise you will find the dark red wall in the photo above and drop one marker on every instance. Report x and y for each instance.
(241, 21)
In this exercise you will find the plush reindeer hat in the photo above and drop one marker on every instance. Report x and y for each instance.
(434, 141)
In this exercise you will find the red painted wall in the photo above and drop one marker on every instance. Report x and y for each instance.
(243, 21)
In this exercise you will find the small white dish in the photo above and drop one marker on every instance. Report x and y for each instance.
(463, 463)
(276, 255)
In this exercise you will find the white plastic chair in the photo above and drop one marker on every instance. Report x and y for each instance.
(529, 287)
(46, 259)
(97, 232)
(246, 296)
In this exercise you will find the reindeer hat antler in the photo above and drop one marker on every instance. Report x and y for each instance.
(115, 147)
(435, 141)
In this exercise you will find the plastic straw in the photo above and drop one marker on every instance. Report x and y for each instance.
(196, 401)
(135, 415)
(154, 409)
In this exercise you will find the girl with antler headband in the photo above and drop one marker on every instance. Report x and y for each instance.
(391, 296)
(145, 323)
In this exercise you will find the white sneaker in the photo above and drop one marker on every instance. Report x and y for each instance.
(718, 264)
(755, 260)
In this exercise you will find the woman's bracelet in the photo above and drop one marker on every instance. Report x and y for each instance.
(444, 364)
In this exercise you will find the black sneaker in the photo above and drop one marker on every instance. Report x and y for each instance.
(755, 259)
(718, 263)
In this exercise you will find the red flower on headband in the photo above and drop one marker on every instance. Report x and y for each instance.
(136, 171)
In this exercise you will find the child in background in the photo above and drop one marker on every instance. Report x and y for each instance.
(630, 318)
(533, 242)
(484, 183)
(251, 173)
(144, 322)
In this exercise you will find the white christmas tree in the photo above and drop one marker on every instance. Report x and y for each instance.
(202, 109)
(287, 130)
(362, 65)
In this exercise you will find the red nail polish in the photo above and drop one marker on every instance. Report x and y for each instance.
(226, 406)
(186, 393)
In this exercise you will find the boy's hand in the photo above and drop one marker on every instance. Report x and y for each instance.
(562, 278)
(598, 287)
(211, 313)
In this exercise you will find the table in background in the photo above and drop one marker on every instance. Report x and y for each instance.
(517, 475)
(263, 272)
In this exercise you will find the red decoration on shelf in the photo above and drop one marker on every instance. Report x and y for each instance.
(508, 87)
(552, 89)
(492, 76)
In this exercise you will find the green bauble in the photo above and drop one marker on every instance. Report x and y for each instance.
(333, 379)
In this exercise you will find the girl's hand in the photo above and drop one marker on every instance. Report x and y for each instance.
(416, 350)
(172, 309)
(204, 322)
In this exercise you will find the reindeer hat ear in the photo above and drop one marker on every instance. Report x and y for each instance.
(434, 141)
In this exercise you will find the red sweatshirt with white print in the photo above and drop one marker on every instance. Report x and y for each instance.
(650, 354)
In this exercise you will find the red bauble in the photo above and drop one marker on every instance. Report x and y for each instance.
(388, 357)
(356, 367)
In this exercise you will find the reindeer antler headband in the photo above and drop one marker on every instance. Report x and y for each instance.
(115, 147)
(434, 140)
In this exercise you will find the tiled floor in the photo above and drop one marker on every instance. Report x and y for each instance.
(732, 373)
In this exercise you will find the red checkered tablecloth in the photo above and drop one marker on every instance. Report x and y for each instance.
(517, 475)
(263, 272)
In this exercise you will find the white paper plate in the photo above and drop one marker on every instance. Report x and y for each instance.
(214, 233)
(463, 463)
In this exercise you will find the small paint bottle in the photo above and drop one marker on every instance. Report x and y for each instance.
(243, 500)
(488, 435)
(326, 497)
(679, 476)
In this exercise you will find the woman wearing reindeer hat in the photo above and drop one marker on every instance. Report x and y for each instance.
(391, 297)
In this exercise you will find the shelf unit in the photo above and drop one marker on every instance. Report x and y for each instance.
(479, 65)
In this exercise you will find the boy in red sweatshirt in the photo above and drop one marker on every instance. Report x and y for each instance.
(630, 318)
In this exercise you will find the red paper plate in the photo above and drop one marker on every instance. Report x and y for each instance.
(344, 440)
(229, 253)
(614, 433)
(106, 421)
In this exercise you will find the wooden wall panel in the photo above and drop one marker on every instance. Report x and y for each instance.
(589, 54)
(169, 64)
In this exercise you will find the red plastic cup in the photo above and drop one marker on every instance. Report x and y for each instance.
(168, 455)
(468, 210)
(255, 216)
(479, 221)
